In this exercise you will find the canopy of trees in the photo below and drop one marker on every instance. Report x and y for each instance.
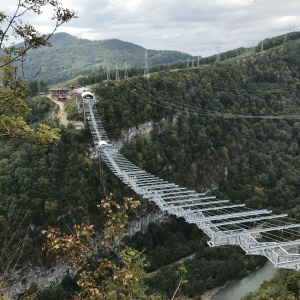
(231, 125)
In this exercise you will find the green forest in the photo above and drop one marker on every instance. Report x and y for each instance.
(71, 57)
(231, 127)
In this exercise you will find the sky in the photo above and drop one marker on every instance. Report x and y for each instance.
(197, 27)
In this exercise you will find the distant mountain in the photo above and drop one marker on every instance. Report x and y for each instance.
(70, 57)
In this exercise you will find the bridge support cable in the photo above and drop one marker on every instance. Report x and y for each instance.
(209, 214)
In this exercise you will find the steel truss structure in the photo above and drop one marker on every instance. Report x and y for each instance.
(222, 222)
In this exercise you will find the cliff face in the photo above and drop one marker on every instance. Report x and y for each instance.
(48, 278)
(130, 134)
(141, 223)
(143, 129)
(43, 278)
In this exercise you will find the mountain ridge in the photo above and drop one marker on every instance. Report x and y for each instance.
(70, 56)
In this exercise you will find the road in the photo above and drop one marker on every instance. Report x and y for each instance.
(62, 115)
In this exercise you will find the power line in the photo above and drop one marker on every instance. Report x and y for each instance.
(178, 106)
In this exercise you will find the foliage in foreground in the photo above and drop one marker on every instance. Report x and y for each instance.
(119, 272)
(13, 109)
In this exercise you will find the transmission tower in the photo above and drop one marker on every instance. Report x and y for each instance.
(108, 73)
(218, 58)
(198, 62)
(117, 72)
(262, 46)
(146, 67)
(126, 71)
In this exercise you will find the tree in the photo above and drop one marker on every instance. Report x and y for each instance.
(181, 271)
(12, 82)
(119, 272)
(13, 109)
(30, 38)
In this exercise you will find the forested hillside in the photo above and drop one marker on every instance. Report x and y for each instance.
(233, 130)
(70, 57)
(237, 133)
(284, 285)
(238, 126)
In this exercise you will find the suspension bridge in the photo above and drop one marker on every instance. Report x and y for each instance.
(257, 232)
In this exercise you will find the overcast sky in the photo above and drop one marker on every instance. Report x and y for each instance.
(197, 27)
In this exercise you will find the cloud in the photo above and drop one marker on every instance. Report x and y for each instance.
(175, 25)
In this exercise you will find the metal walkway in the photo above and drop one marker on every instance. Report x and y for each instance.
(222, 222)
